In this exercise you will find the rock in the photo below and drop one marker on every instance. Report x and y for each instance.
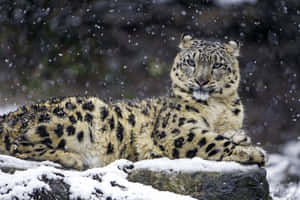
(224, 185)
(181, 179)
(59, 190)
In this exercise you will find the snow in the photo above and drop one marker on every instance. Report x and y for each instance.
(281, 168)
(22, 183)
(191, 165)
(12, 162)
(8, 108)
(111, 182)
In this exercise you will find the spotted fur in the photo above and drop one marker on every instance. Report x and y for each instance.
(202, 117)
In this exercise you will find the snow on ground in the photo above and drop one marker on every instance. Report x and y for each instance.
(283, 175)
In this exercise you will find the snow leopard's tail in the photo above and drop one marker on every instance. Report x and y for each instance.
(10, 125)
(4, 136)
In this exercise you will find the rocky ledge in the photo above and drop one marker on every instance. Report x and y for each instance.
(183, 179)
(205, 180)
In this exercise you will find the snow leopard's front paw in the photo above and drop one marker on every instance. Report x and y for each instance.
(247, 155)
(238, 137)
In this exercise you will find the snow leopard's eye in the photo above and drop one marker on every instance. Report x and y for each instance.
(217, 65)
(191, 63)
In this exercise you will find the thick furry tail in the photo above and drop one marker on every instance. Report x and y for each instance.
(5, 140)
(10, 126)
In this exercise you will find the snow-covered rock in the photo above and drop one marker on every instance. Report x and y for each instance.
(123, 180)
(203, 179)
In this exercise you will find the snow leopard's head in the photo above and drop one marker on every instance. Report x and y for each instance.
(204, 69)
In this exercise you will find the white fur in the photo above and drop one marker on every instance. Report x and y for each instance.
(200, 95)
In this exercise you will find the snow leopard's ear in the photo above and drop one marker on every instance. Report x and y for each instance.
(233, 48)
(185, 41)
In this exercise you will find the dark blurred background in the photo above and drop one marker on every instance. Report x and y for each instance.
(125, 48)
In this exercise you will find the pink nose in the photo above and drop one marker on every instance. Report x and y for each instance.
(201, 82)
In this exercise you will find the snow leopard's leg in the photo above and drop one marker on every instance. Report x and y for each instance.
(214, 146)
(190, 141)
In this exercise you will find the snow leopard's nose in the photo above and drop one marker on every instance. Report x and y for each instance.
(201, 82)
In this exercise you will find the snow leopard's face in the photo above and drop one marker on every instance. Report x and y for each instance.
(204, 69)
